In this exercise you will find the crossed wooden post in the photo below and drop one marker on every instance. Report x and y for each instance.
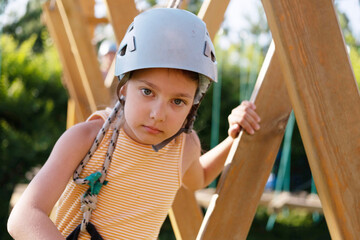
(310, 72)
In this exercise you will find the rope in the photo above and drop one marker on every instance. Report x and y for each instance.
(97, 180)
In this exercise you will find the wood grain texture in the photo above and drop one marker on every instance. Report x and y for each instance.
(121, 13)
(185, 215)
(326, 103)
(72, 78)
(85, 54)
(250, 160)
(212, 13)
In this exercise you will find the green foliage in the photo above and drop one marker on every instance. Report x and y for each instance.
(294, 224)
(355, 61)
(28, 25)
(353, 45)
(32, 112)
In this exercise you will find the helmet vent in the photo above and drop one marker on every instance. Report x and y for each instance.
(213, 58)
(208, 52)
(123, 50)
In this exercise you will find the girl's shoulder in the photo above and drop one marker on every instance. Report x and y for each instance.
(81, 135)
(88, 130)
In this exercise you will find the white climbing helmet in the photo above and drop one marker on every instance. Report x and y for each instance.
(167, 38)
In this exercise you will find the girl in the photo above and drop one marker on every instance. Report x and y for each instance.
(165, 64)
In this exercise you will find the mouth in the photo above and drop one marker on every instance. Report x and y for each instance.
(152, 130)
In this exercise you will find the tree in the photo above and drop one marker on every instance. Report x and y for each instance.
(32, 113)
(28, 24)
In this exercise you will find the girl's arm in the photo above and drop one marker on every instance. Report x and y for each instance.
(30, 217)
(200, 171)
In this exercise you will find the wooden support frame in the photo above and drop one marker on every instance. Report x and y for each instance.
(72, 77)
(250, 160)
(84, 52)
(120, 18)
(324, 95)
(212, 13)
(310, 59)
(326, 102)
(121, 13)
(185, 215)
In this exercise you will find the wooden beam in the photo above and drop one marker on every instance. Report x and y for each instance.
(91, 20)
(88, 9)
(250, 159)
(72, 77)
(326, 102)
(274, 201)
(185, 215)
(184, 4)
(121, 13)
(85, 54)
(212, 13)
(71, 114)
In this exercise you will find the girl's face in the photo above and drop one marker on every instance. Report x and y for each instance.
(157, 101)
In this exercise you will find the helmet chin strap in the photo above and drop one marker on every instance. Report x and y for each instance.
(159, 146)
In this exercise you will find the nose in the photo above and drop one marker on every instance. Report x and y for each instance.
(158, 111)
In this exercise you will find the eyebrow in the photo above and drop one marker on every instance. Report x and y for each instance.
(184, 95)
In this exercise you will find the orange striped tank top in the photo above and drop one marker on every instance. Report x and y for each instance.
(141, 187)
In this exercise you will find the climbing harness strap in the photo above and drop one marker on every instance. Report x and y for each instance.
(97, 180)
(91, 230)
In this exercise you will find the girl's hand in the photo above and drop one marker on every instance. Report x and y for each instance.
(243, 117)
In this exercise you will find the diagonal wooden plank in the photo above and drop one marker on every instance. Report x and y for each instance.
(212, 13)
(250, 159)
(84, 52)
(326, 103)
(72, 76)
(121, 13)
(185, 215)
(88, 9)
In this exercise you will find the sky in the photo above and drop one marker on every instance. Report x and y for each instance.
(238, 9)
(234, 17)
